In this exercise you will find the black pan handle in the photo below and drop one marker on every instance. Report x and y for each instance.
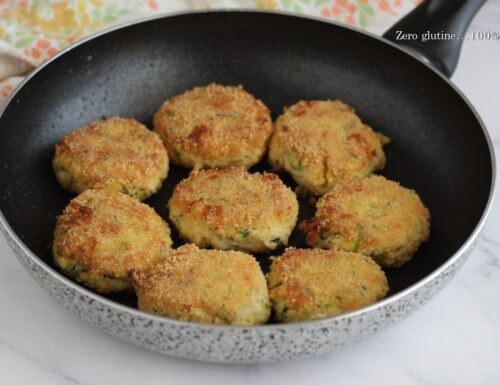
(430, 19)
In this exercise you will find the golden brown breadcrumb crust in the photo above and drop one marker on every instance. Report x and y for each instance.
(231, 208)
(307, 284)
(208, 286)
(115, 153)
(214, 126)
(103, 234)
(321, 143)
(373, 216)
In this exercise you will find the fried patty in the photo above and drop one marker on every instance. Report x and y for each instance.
(308, 284)
(120, 154)
(214, 126)
(208, 286)
(373, 216)
(231, 208)
(321, 143)
(103, 234)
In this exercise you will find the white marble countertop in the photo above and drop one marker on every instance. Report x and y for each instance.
(455, 339)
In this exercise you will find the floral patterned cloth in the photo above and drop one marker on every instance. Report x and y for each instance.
(31, 31)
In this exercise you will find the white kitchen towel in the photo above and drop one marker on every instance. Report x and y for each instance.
(31, 31)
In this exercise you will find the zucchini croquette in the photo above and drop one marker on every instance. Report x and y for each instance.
(214, 126)
(208, 286)
(116, 153)
(308, 284)
(372, 216)
(321, 143)
(103, 234)
(231, 208)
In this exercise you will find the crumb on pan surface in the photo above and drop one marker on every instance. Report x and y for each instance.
(308, 284)
(207, 286)
(214, 126)
(115, 153)
(231, 208)
(103, 234)
(372, 216)
(321, 143)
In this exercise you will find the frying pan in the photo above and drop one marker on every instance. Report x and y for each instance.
(440, 148)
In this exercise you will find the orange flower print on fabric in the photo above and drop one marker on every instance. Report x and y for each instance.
(373, 15)
(153, 4)
(6, 90)
(41, 50)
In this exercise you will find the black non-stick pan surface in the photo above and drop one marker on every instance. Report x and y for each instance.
(438, 146)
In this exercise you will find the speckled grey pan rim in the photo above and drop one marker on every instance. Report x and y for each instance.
(239, 344)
